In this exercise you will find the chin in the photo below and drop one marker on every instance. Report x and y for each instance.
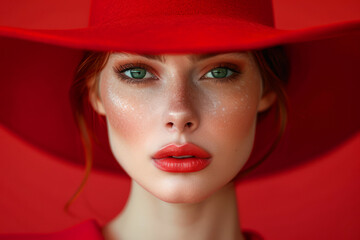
(188, 198)
(183, 191)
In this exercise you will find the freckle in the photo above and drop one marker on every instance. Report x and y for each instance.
(216, 104)
(225, 121)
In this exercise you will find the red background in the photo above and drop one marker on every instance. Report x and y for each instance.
(297, 204)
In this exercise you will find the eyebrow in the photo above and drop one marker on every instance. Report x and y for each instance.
(194, 57)
(160, 58)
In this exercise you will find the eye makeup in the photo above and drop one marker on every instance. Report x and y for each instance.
(140, 73)
(121, 69)
(234, 69)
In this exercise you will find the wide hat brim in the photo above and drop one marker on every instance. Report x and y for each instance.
(36, 76)
(174, 34)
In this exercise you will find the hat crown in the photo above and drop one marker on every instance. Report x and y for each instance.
(108, 11)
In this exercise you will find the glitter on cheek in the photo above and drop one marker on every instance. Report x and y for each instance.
(121, 107)
(121, 104)
(231, 107)
(215, 107)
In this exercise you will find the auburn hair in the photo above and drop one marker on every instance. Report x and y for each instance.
(272, 63)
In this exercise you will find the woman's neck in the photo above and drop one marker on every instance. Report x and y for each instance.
(146, 217)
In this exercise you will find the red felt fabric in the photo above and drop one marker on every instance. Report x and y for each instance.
(173, 27)
(88, 230)
(288, 14)
(259, 11)
(136, 32)
(316, 200)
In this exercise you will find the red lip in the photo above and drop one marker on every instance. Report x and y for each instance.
(195, 158)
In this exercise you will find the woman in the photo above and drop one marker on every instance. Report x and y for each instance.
(160, 108)
(179, 176)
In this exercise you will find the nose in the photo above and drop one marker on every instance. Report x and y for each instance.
(180, 114)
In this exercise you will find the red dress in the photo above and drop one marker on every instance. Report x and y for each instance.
(89, 230)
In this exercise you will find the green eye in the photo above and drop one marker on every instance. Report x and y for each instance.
(134, 73)
(219, 72)
(137, 73)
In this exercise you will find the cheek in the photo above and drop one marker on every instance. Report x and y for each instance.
(232, 114)
(125, 115)
(231, 125)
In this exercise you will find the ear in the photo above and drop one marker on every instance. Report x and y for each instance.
(95, 100)
(266, 101)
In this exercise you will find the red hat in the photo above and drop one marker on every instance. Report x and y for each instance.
(179, 27)
(37, 67)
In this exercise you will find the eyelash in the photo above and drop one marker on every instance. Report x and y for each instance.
(119, 70)
(232, 67)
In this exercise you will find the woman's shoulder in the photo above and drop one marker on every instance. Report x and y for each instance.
(89, 230)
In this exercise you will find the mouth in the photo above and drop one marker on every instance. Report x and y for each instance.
(181, 158)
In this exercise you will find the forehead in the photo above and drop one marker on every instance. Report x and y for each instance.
(192, 57)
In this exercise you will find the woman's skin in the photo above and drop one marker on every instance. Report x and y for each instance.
(150, 102)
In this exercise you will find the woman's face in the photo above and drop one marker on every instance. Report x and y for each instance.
(155, 101)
